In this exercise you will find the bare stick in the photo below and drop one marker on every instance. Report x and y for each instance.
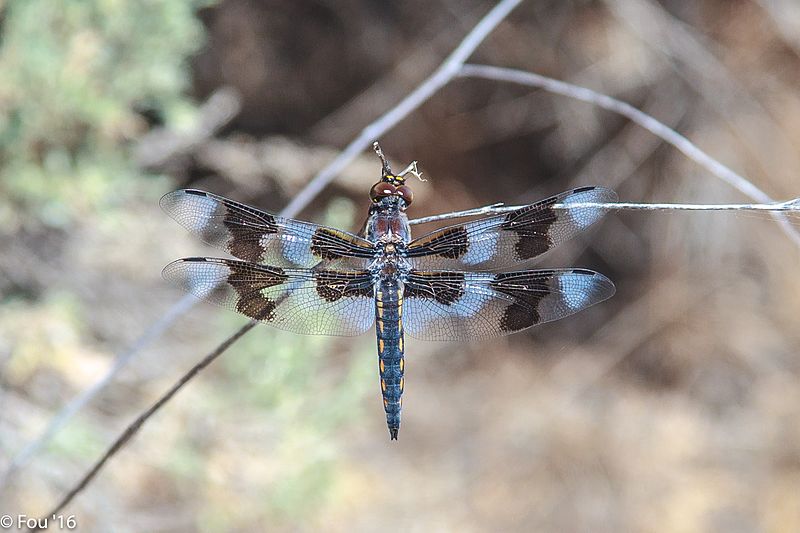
(439, 78)
(644, 120)
(684, 45)
(784, 15)
(132, 429)
(386, 167)
(788, 206)
(499, 207)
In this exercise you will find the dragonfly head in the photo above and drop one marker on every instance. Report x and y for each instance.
(391, 190)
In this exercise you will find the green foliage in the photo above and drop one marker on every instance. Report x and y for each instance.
(73, 73)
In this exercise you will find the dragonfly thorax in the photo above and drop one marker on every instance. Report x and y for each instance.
(388, 223)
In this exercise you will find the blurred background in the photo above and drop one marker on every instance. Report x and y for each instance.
(674, 406)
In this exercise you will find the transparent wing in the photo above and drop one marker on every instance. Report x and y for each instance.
(502, 241)
(446, 306)
(313, 302)
(259, 237)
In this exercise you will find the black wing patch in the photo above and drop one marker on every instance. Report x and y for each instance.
(259, 237)
(441, 305)
(502, 241)
(314, 302)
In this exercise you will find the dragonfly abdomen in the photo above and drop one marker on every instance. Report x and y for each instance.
(389, 328)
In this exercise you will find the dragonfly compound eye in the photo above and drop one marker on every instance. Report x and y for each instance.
(405, 192)
(382, 189)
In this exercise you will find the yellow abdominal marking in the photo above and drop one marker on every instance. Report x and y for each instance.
(400, 343)
(380, 347)
(380, 325)
(402, 383)
(402, 364)
(383, 386)
(382, 366)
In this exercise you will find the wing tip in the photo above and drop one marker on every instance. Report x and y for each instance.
(171, 198)
(604, 288)
(170, 267)
(167, 200)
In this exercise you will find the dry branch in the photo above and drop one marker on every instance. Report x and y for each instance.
(647, 122)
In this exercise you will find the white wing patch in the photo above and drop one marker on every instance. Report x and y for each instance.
(575, 291)
(582, 218)
(481, 250)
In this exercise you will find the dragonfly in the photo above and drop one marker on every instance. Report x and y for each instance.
(456, 283)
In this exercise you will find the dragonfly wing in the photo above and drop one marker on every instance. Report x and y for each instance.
(260, 237)
(503, 241)
(313, 302)
(447, 306)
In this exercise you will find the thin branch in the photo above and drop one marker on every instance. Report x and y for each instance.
(477, 211)
(644, 120)
(788, 206)
(684, 45)
(785, 14)
(132, 429)
(445, 73)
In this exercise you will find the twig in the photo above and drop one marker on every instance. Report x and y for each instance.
(788, 206)
(132, 429)
(684, 45)
(477, 211)
(647, 122)
(446, 72)
(785, 14)
(439, 78)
